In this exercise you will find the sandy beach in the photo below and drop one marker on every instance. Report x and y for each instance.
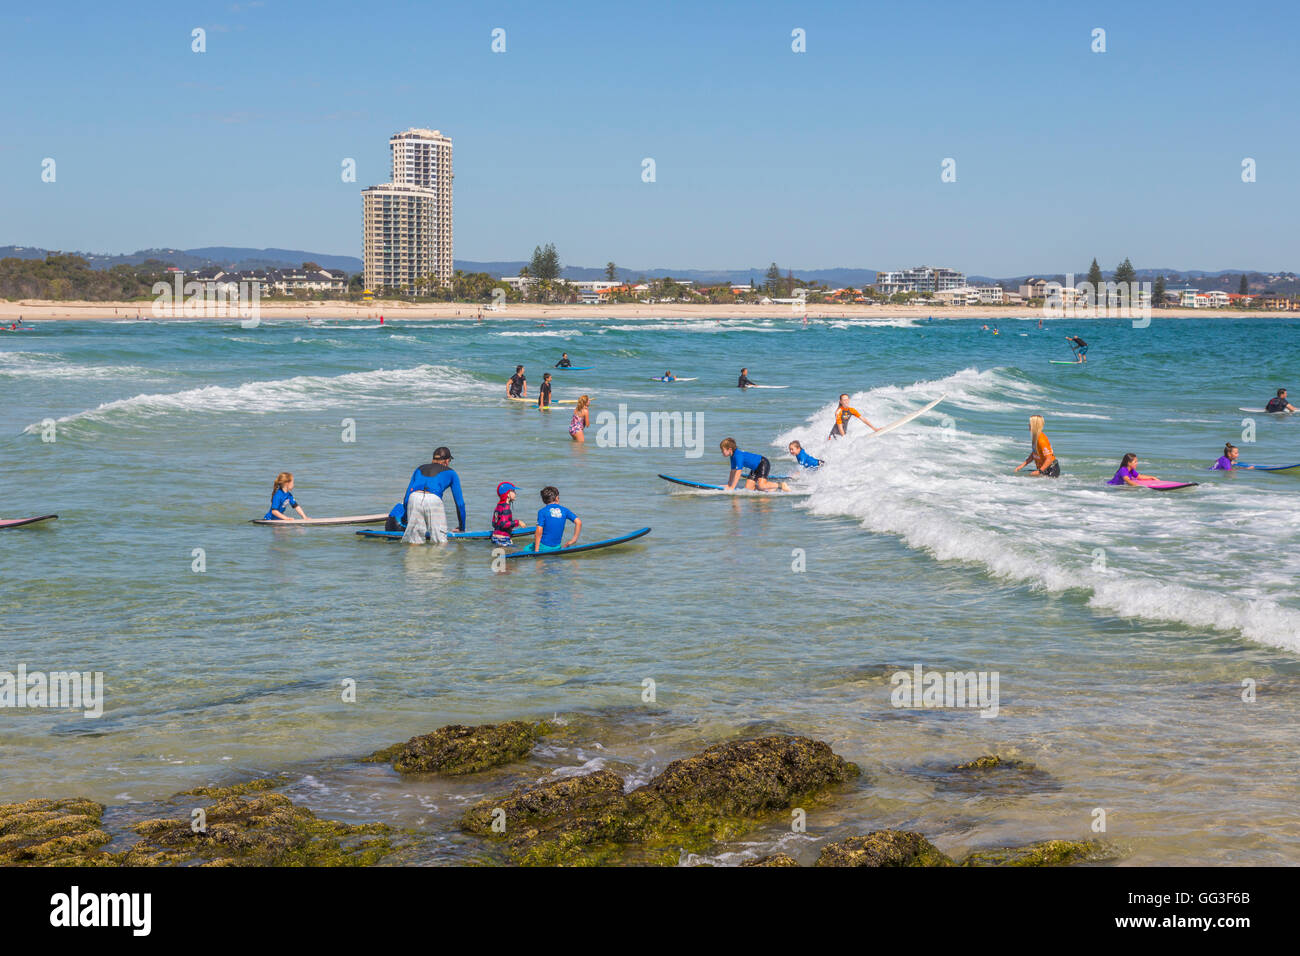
(36, 310)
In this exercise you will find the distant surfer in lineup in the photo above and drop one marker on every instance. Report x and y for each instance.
(1040, 452)
(423, 512)
(744, 381)
(1279, 403)
(802, 457)
(564, 362)
(1079, 347)
(581, 420)
(282, 499)
(544, 393)
(1228, 460)
(757, 466)
(669, 377)
(551, 520)
(843, 413)
(1128, 473)
(517, 387)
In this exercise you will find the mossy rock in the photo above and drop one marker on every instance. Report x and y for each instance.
(52, 833)
(718, 794)
(992, 774)
(1046, 853)
(883, 848)
(238, 789)
(457, 749)
(993, 762)
(776, 859)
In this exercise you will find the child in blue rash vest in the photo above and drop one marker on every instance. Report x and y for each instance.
(802, 457)
(282, 500)
(424, 515)
(551, 519)
(757, 465)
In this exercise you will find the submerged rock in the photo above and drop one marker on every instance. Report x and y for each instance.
(992, 761)
(457, 749)
(52, 832)
(995, 775)
(696, 801)
(776, 859)
(1046, 853)
(883, 848)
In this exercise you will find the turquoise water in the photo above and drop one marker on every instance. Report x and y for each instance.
(1121, 623)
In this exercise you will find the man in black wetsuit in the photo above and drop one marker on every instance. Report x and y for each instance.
(744, 379)
(564, 361)
(517, 387)
(1279, 403)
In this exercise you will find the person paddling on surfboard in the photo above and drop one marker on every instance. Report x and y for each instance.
(669, 377)
(551, 520)
(744, 381)
(802, 457)
(423, 512)
(1040, 452)
(757, 465)
(517, 387)
(1279, 403)
(282, 499)
(1079, 347)
(1128, 473)
(843, 413)
(564, 361)
(1228, 460)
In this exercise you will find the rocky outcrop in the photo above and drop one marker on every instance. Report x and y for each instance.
(1046, 853)
(457, 749)
(52, 832)
(883, 848)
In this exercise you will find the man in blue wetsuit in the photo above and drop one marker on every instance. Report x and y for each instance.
(423, 512)
(551, 520)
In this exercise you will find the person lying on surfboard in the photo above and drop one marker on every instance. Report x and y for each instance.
(842, 415)
(669, 377)
(1040, 452)
(551, 520)
(1128, 473)
(517, 387)
(282, 499)
(1279, 403)
(1079, 347)
(504, 521)
(744, 381)
(802, 457)
(1228, 460)
(564, 361)
(758, 466)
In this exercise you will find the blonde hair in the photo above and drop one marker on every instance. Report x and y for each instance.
(282, 479)
(1035, 427)
(727, 445)
(582, 403)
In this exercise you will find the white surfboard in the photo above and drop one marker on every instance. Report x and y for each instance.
(321, 522)
(909, 416)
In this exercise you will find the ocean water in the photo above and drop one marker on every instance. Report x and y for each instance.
(1125, 626)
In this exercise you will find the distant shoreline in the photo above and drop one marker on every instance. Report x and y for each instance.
(34, 310)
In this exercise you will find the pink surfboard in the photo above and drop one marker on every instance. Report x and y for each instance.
(19, 522)
(1166, 485)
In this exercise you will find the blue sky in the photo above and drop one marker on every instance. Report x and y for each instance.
(819, 159)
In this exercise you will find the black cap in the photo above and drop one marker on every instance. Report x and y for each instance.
(442, 451)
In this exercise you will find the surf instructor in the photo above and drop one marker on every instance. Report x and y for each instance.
(517, 387)
(424, 514)
(1040, 452)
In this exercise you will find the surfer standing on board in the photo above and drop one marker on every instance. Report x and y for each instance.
(1079, 347)
(842, 415)
(1040, 452)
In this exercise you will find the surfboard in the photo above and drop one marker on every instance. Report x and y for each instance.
(1062, 362)
(1166, 485)
(19, 522)
(908, 417)
(528, 552)
(1278, 468)
(455, 535)
(554, 401)
(671, 380)
(574, 368)
(324, 522)
(722, 489)
(766, 386)
(1262, 411)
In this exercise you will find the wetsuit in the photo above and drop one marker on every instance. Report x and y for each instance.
(1277, 404)
(281, 501)
(564, 363)
(517, 383)
(551, 519)
(435, 479)
(1044, 459)
(842, 416)
(744, 382)
(544, 394)
(758, 465)
(807, 460)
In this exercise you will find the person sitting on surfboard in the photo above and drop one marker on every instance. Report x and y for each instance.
(744, 381)
(842, 415)
(669, 377)
(551, 519)
(759, 468)
(544, 393)
(564, 361)
(282, 499)
(503, 518)
(1040, 452)
(1279, 403)
(802, 457)
(423, 512)
(1079, 347)
(1128, 473)
(1228, 460)
(517, 387)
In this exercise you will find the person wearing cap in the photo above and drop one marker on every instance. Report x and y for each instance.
(423, 512)
(503, 518)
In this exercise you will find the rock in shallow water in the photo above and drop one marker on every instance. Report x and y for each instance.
(457, 749)
(51, 832)
(883, 848)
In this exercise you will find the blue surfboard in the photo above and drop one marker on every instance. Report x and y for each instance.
(574, 368)
(738, 491)
(528, 552)
(1271, 467)
(457, 535)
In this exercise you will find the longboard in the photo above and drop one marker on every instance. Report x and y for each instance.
(19, 522)
(767, 386)
(574, 368)
(1166, 485)
(1060, 361)
(528, 552)
(705, 486)
(455, 535)
(1262, 411)
(671, 380)
(1279, 468)
(554, 401)
(323, 522)
(908, 417)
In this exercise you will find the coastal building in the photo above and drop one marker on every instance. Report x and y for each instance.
(406, 231)
(919, 279)
(1034, 288)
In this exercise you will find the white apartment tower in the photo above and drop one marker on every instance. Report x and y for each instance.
(407, 223)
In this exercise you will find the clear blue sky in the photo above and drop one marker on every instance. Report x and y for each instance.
(825, 158)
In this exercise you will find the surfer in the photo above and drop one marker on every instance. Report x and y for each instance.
(1040, 452)
(282, 499)
(1128, 473)
(1228, 460)
(1079, 347)
(564, 361)
(517, 387)
(1279, 403)
(744, 381)
(551, 520)
(423, 512)
(802, 457)
(504, 521)
(843, 412)
(758, 466)
(669, 377)
(544, 393)
(581, 420)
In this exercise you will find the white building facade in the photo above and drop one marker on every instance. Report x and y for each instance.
(407, 223)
